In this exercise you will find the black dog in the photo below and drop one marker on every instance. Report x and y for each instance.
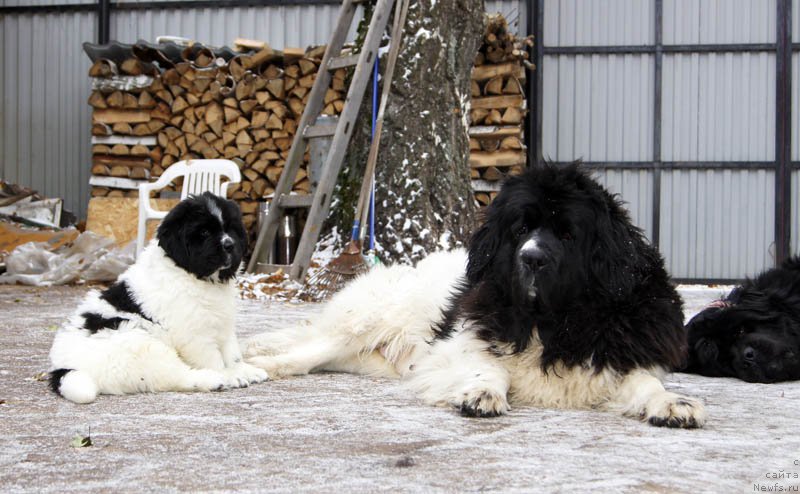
(752, 334)
(563, 303)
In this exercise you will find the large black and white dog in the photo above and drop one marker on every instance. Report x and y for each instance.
(562, 304)
(167, 324)
(754, 332)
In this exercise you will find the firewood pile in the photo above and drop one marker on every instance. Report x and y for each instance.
(240, 106)
(498, 108)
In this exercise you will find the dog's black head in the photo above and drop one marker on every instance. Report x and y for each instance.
(745, 336)
(204, 235)
(554, 235)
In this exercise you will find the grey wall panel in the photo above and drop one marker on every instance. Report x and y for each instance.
(44, 115)
(592, 22)
(598, 107)
(719, 107)
(30, 3)
(719, 21)
(796, 104)
(295, 26)
(635, 188)
(717, 224)
(796, 21)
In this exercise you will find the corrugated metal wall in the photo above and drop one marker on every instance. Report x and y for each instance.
(715, 107)
(44, 139)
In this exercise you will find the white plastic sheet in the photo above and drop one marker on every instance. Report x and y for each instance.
(90, 257)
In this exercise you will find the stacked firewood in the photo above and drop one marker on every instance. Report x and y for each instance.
(246, 110)
(498, 109)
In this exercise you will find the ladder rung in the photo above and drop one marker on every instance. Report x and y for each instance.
(342, 62)
(320, 130)
(296, 201)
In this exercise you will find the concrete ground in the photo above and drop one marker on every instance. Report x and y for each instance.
(336, 433)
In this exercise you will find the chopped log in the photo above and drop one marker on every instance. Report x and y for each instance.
(486, 72)
(112, 116)
(477, 116)
(493, 118)
(307, 66)
(99, 129)
(482, 159)
(126, 161)
(511, 142)
(231, 114)
(243, 138)
(123, 128)
(274, 122)
(492, 174)
(115, 99)
(266, 54)
(512, 86)
(103, 68)
(489, 144)
(146, 100)
(512, 116)
(497, 102)
(134, 66)
(474, 145)
(494, 86)
(130, 101)
(307, 81)
(251, 175)
(475, 89)
(120, 150)
(248, 105)
(244, 44)
(96, 100)
(276, 88)
(262, 97)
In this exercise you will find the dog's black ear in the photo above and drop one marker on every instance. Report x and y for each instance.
(483, 247)
(171, 233)
(618, 251)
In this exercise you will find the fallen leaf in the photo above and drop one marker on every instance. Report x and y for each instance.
(42, 376)
(80, 441)
(52, 327)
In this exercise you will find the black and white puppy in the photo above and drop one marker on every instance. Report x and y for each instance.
(754, 332)
(560, 302)
(168, 322)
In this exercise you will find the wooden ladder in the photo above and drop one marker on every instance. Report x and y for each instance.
(320, 199)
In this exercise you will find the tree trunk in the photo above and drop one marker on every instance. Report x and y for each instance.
(423, 195)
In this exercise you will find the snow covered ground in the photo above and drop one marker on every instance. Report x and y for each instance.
(334, 433)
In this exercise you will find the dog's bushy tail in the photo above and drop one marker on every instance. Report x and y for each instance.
(74, 385)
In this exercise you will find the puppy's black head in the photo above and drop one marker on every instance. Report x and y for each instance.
(204, 235)
(748, 340)
(551, 235)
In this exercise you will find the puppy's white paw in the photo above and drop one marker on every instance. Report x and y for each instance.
(673, 410)
(242, 375)
(208, 380)
(483, 403)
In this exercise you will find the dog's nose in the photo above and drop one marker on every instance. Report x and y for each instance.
(227, 243)
(533, 257)
(749, 354)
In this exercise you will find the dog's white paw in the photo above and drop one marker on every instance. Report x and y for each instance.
(208, 380)
(483, 403)
(243, 375)
(673, 410)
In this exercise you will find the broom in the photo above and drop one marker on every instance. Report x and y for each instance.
(350, 263)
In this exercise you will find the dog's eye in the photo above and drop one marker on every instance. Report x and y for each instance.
(205, 233)
(523, 230)
(566, 237)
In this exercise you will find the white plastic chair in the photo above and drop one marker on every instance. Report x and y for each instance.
(198, 176)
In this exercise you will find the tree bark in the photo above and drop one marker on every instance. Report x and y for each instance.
(423, 194)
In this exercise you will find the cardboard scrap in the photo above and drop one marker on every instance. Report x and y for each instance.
(118, 217)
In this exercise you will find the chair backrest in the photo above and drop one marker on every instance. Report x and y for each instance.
(200, 176)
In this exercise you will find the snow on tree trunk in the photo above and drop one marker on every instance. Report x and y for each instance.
(423, 195)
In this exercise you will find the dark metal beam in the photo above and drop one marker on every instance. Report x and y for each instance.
(652, 49)
(658, 29)
(189, 4)
(103, 21)
(531, 85)
(536, 14)
(783, 132)
(677, 165)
